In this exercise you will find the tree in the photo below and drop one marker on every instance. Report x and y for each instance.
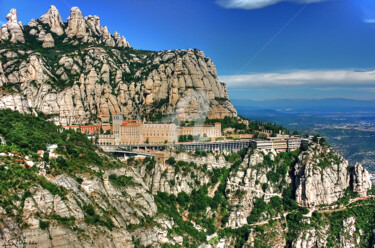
(171, 161)
(46, 156)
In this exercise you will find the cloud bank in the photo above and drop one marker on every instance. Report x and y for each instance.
(256, 4)
(332, 78)
(371, 21)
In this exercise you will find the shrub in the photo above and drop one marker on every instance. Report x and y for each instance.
(43, 225)
(121, 181)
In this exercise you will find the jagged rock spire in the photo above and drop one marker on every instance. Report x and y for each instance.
(14, 28)
(78, 30)
(53, 19)
(76, 25)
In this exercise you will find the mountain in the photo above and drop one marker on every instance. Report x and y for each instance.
(82, 197)
(57, 189)
(77, 72)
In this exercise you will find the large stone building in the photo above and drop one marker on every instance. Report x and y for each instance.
(133, 132)
(117, 122)
(136, 132)
(211, 131)
(278, 144)
(159, 133)
(106, 140)
(130, 133)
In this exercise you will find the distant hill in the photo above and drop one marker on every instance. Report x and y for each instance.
(320, 107)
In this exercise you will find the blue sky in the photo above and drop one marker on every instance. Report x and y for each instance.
(286, 49)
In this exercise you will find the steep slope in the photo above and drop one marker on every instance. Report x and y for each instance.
(80, 73)
(81, 197)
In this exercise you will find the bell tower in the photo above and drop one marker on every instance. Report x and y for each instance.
(117, 121)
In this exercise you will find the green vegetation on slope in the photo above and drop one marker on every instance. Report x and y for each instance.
(25, 135)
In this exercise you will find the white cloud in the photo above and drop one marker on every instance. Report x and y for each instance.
(369, 20)
(256, 4)
(332, 78)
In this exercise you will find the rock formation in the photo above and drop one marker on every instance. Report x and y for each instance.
(165, 178)
(48, 41)
(13, 28)
(361, 180)
(53, 19)
(248, 180)
(94, 75)
(312, 237)
(321, 177)
(76, 25)
(130, 204)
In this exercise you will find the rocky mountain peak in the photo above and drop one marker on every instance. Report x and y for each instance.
(78, 30)
(89, 30)
(53, 19)
(76, 25)
(13, 28)
(90, 77)
(12, 16)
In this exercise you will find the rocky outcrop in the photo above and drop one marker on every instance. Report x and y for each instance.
(349, 236)
(101, 86)
(245, 185)
(88, 30)
(48, 41)
(76, 25)
(244, 181)
(166, 178)
(78, 85)
(361, 180)
(121, 206)
(53, 19)
(13, 29)
(321, 176)
(312, 237)
(273, 236)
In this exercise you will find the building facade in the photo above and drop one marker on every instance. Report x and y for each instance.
(159, 133)
(211, 131)
(91, 129)
(136, 132)
(116, 127)
(278, 144)
(132, 132)
(106, 140)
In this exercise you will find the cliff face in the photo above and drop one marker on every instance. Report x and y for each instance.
(80, 73)
(321, 177)
(98, 209)
(316, 177)
(70, 218)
